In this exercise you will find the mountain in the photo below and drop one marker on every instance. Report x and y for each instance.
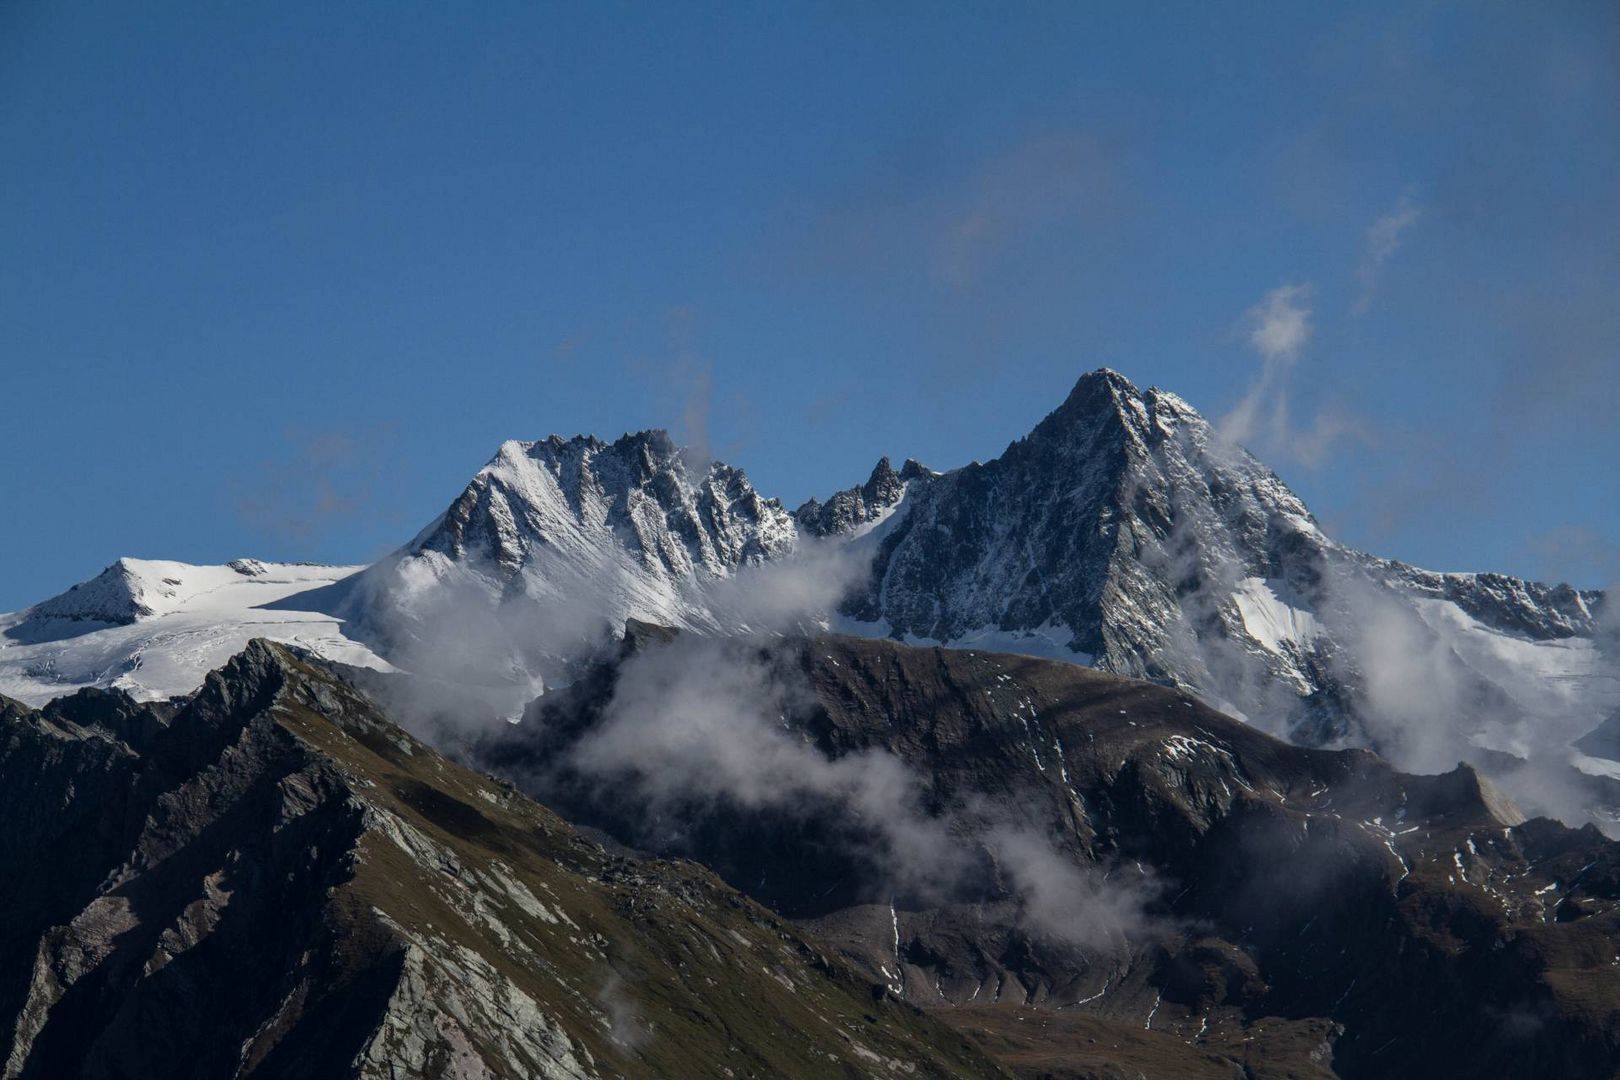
(860, 508)
(155, 628)
(269, 879)
(555, 542)
(1092, 873)
(1124, 532)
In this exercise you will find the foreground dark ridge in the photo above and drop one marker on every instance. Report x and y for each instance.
(1320, 911)
(269, 879)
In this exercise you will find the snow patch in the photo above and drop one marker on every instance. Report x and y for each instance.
(1277, 619)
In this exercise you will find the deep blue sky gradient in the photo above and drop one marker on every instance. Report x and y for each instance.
(275, 281)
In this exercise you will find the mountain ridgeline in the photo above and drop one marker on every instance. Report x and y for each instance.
(1098, 759)
(1075, 875)
(1124, 532)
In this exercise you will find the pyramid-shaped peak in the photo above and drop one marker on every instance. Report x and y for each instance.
(1104, 397)
(1103, 390)
(115, 596)
(1103, 380)
(1099, 397)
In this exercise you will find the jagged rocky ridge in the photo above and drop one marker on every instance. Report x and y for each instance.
(853, 508)
(270, 879)
(1316, 911)
(606, 530)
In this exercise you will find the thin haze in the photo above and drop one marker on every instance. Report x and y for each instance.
(276, 281)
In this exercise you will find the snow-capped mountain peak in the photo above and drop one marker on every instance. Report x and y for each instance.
(554, 541)
(1124, 531)
(641, 492)
(122, 593)
(134, 589)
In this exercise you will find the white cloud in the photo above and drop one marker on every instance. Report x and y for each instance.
(1382, 241)
(1280, 325)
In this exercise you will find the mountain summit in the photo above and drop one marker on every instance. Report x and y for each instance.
(1127, 533)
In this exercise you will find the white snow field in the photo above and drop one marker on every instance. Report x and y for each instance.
(155, 628)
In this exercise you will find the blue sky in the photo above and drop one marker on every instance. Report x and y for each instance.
(276, 282)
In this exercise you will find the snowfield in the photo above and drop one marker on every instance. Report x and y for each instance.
(155, 628)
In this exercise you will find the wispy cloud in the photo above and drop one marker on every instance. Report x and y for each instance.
(1280, 325)
(1573, 552)
(1383, 239)
(716, 421)
(701, 723)
(1045, 181)
(1278, 328)
(956, 223)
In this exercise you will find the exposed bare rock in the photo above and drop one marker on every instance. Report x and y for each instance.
(270, 879)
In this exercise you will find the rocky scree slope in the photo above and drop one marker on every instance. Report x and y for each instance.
(270, 879)
(1303, 911)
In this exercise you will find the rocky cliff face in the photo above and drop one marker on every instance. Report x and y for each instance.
(851, 510)
(269, 879)
(1125, 862)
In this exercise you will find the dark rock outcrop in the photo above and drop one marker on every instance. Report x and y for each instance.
(270, 879)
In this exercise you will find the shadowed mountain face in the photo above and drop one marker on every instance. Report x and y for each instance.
(269, 879)
(1106, 855)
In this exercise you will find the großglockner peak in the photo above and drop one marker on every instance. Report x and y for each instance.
(1127, 533)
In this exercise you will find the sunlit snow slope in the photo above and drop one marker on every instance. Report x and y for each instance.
(155, 628)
